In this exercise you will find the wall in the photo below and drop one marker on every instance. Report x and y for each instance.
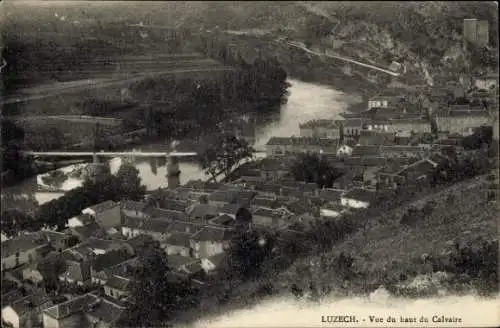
(485, 84)
(134, 214)
(10, 316)
(110, 218)
(115, 293)
(353, 203)
(378, 103)
(458, 124)
(177, 250)
(24, 257)
(206, 249)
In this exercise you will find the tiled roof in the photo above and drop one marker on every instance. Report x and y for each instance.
(323, 123)
(222, 220)
(20, 244)
(26, 304)
(139, 240)
(230, 209)
(89, 230)
(303, 141)
(84, 218)
(267, 213)
(415, 149)
(193, 268)
(420, 167)
(109, 260)
(152, 225)
(272, 164)
(106, 312)
(353, 122)
(185, 227)
(232, 196)
(331, 195)
(367, 137)
(77, 271)
(161, 213)
(119, 283)
(360, 194)
(130, 205)
(265, 202)
(367, 150)
(297, 207)
(178, 239)
(202, 210)
(213, 234)
(364, 161)
(217, 259)
(176, 261)
(65, 309)
(98, 208)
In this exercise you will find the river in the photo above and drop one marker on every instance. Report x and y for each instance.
(306, 101)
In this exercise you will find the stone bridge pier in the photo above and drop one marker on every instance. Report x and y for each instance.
(173, 172)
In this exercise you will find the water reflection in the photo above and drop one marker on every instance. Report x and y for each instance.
(306, 101)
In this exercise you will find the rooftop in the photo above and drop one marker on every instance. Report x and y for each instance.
(162, 213)
(222, 220)
(106, 312)
(65, 309)
(302, 141)
(178, 239)
(320, 123)
(360, 194)
(119, 283)
(130, 205)
(28, 303)
(331, 195)
(213, 234)
(177, 261)
(104, 206)
(231, 209)
(20, 244)
(202, 210)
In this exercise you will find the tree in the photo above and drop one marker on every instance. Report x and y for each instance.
(155, 298)
(129, 182)
(225, 155)
(14, 221)
(311, 167)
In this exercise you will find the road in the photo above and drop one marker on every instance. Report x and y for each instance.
(303, 47)
(102, 83)
(109, 154)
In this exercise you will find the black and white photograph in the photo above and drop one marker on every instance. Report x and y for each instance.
(241, 164)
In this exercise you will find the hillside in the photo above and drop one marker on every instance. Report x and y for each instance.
(425, 36)
(393, 251)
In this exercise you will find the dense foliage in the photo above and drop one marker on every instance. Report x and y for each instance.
(125, 185)
(311, 167)
(155, 295)
(226, 154)
(12, 160)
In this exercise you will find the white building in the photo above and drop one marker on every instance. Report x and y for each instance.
(357, 198)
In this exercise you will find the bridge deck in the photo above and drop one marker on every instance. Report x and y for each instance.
(111, 154)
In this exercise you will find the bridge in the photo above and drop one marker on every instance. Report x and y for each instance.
(172, 158)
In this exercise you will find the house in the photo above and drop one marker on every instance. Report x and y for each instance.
(106, 314)
(365, 151)
(486, 82)
(178, 243)
(385, 100)
(409, 125)
(388, 177)
(135, 209)
(166, 215)
(59, 240)
(322, 128)
(462, 122)
(117, 287)
(77, 270)
(210, 241)
(178, 262)
(108, 260)
(280, 146)
(330, 195)
(376, 137)
(202, 211)
(95, 246)
(90, 230)
(157, 229)
(80, 221)
(268, 218)
(265, 202)
(358, 198)
(352, 127)
(231, 196)
(273, 169)
(402, 151)
(213, 263)
(222, 220)
(107, 214)
(173, 205)
(26, 312)
(419, 170)
(88, 310)
(21, 250)
(236, 211)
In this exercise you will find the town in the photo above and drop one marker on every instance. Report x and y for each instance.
(336, 169)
